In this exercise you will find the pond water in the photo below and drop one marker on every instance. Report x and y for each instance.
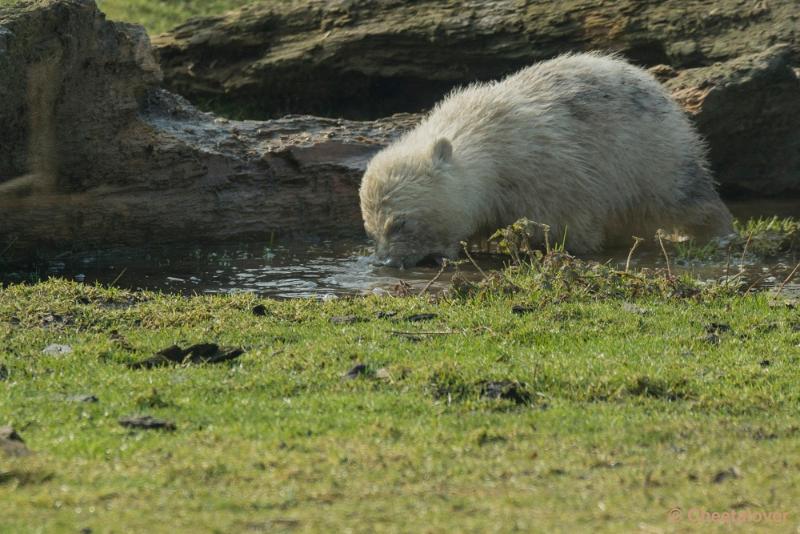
(314, 268)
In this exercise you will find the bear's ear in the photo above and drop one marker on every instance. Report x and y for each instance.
(442, 151)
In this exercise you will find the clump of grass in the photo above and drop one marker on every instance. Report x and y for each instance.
(690, 250)
(554, 273)
(768, 237)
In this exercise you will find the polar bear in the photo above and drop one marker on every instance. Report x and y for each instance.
(586, 143)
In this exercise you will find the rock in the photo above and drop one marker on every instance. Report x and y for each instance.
(259, 310)
(372, 58)
(748, 109)
(93, 153)
(89, 398)
(11, 443)
(633, 308)
(346, 319)
(55, 349)
(383, 374)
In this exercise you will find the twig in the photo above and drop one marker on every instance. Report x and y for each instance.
(121, 273)
(664, 250)
(435, 278)
(759, 280)
(636, 242)
(728, 264)
(791, 274)
(744, 251)
(469, 257)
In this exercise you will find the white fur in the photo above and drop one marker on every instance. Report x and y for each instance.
(586, 143)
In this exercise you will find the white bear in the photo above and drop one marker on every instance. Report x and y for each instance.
(586, 143)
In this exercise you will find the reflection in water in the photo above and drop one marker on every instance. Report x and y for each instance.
(314, 269)
(300, 270)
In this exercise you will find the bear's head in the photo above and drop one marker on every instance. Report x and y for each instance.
(411, 203)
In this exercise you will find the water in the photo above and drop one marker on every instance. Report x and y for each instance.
(304, 269)
(318, 268)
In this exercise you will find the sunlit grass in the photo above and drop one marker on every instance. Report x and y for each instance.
(629, 396)
(159, 16)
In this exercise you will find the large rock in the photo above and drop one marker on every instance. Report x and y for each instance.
(370, 58)
(748, 109)
(93, 153)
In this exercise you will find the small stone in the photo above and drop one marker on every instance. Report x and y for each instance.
(346, 319)
(633, 308)
(11, 443)
(55, 349)
(82, 398)
(383, 374)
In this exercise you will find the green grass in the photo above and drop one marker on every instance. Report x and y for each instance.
(159, 16)
(630, 406)
(769, 236)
